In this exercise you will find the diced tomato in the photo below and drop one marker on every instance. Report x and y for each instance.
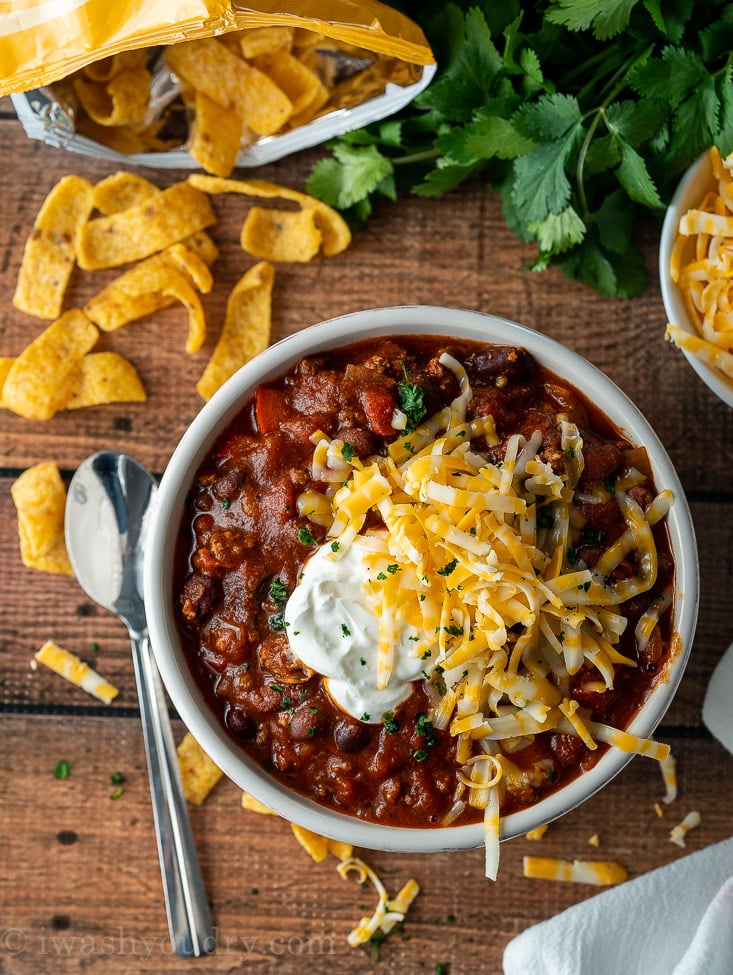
(271, 409)
(379, 406)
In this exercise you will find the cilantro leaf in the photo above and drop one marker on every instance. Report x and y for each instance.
(558, 232)
(541, 185)
(411, 400)
(607, 17)
(353, 173)
(469, 76)
(633, 175)
(484, 138)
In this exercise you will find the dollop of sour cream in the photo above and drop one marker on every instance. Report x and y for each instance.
(332, 623)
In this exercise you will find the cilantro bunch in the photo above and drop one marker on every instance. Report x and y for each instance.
(582, 114)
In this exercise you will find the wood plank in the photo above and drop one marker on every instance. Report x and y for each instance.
(272, 906)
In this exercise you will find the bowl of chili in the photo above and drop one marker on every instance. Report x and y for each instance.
(421, 578)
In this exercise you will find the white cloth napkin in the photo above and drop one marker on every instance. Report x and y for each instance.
(676, 920)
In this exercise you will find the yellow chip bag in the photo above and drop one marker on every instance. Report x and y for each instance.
(335, 232)
(246, 329)
(105, 377)
(37, 383)
(50, 251)
(144, 229)
(210, 67)
(39, 496)
(199, 774)
(281, 235)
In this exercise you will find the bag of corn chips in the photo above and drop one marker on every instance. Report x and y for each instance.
(205, 83)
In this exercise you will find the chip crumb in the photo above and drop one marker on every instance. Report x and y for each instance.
(594, 840)
(199, 774)
(254, 805)
(537, 833)
(658, 810)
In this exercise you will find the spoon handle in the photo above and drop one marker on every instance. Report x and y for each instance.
(189, 918)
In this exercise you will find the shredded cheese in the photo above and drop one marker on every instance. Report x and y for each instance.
(678, 833)
(669, 775)
(388, 912)
(701, 264)
(482, 570)
(601, 873)
(74, 670)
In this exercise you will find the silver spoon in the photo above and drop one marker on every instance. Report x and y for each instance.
(108, 514)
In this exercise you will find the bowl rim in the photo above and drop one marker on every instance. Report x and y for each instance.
(687, 196)
(218, 412)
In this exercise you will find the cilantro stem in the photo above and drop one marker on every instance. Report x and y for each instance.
(416, 157)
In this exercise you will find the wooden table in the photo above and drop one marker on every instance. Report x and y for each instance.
(79, 879)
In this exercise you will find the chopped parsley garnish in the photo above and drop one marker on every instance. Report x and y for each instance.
(420, 754)
(393, 568)
(348, 451)
(585, 586)
(411, 400)
(453, 630)
(391, 725)
(61, 769)
(305, 537)
(362, 661)
(117, 793)
(365, 717)
(117, 778)
(278, 592)
(424, 727)
(335, 546)
(345, 631)
(448, 568)
(594, 536)
(225, 503)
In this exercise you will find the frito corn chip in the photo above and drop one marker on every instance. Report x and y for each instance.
(210, 67)
(39, 496)
(216, 136)
(144, 229)
(123, 100)
(48, 258)
(334, 229)
(342, 851)
(75, 671)
(107, 68)
(262, 40)
(151, 285)
(38, 382)
(315, 845)
(254, 805)
(122, 190)
(300, 84)
(281, 235)
(105, 377)
(6, 362)
(199, 774)
(246, 329)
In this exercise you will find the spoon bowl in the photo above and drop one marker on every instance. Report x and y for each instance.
(110, 503)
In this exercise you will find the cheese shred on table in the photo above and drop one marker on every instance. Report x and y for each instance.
(389, 910)
(74, 670)
(481, 570)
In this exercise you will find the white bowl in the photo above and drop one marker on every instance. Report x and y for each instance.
(214, 418)
(693, 186)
